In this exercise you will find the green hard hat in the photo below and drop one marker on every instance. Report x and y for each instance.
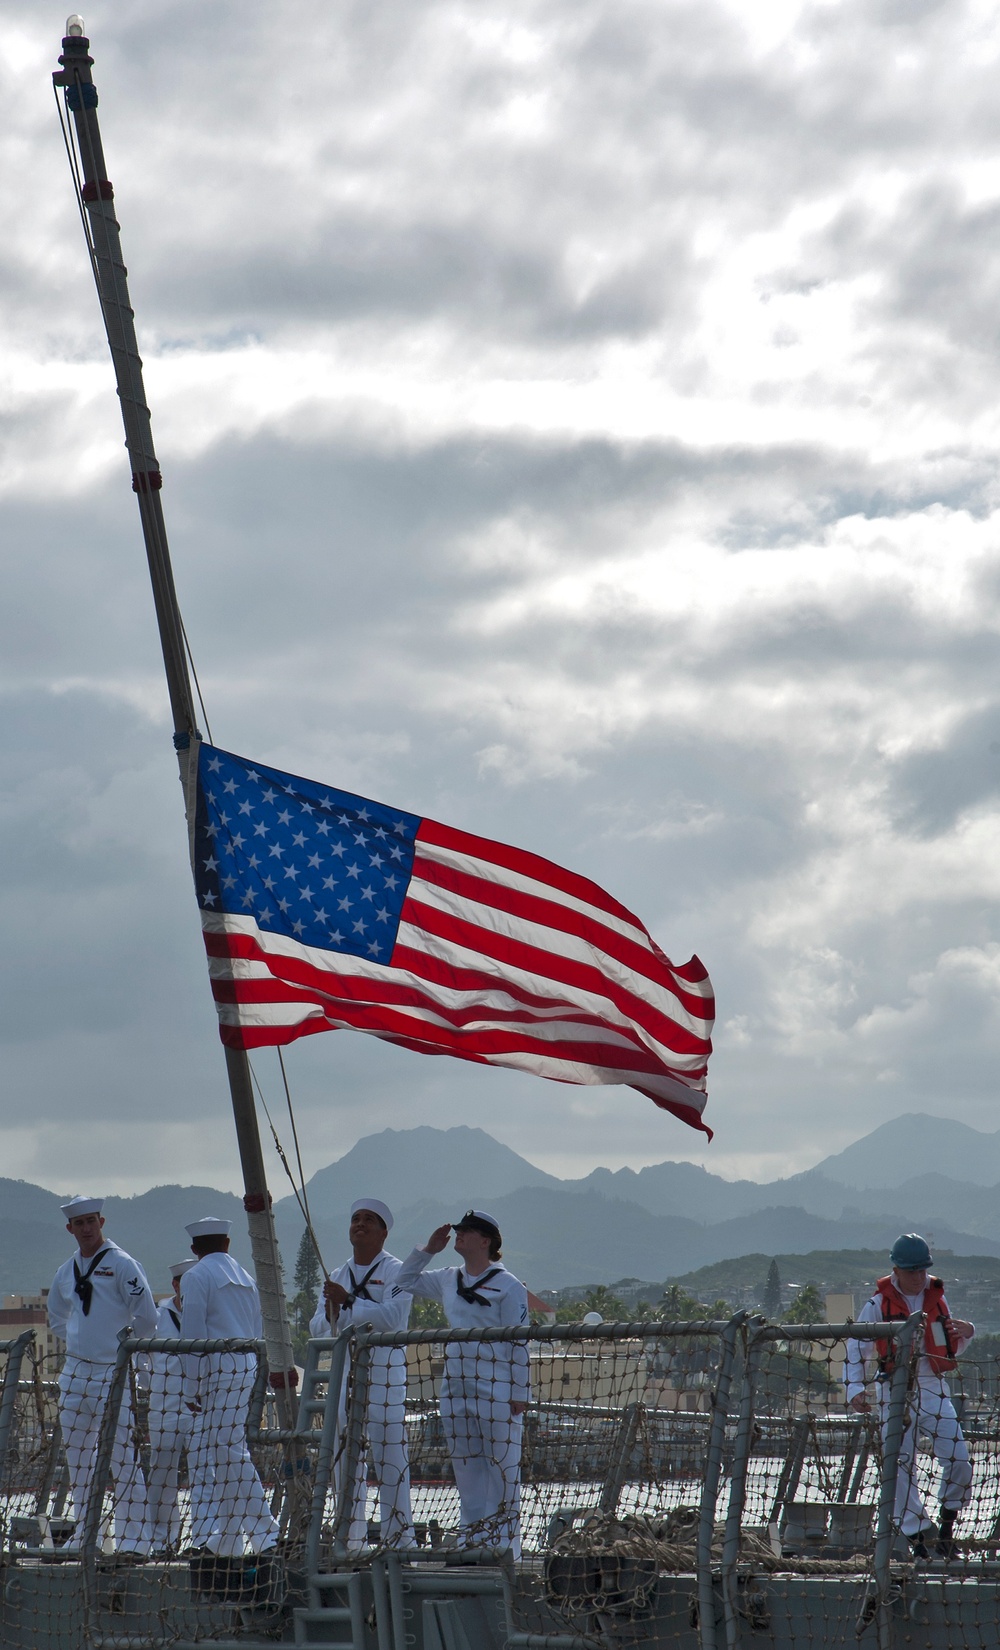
(910, 1252)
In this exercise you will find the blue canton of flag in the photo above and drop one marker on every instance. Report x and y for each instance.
(322, 866)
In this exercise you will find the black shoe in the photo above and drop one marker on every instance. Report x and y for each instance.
(947, 1545)
(918, 1542)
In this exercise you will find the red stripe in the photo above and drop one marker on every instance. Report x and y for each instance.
(563, 919)
(527, 865)
(531, 959)
(384, 1020)
(298, 971)
(396, 1012)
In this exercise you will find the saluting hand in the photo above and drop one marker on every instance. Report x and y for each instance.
(861, 1403)
(438, 1240)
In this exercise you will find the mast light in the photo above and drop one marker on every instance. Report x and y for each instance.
(74, 25)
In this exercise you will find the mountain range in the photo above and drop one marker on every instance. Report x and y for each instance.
(663, 1221)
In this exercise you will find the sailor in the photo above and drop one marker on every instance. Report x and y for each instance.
(96, 1294)
(361, 1294)
(930, 1411)
(219, 1301)
(170, 1425)
(484, 1390)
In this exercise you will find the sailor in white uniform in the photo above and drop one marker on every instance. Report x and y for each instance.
(484, 1391)
(95, 1294)
(219, 1301)
(170, 1426)
(362, 1294)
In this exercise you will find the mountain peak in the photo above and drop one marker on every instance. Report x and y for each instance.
(912, 1145)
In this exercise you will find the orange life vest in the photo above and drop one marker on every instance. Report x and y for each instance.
(939, 1348)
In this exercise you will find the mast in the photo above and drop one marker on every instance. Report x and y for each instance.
(111, 276)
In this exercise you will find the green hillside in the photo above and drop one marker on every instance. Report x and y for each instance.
(837, 1268)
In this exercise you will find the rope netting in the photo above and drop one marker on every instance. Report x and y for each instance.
(698, 1483)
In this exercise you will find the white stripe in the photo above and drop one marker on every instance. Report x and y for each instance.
(551, 940)
(505, 878)
(332, 964)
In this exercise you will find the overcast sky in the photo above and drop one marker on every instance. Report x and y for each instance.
(579, 423)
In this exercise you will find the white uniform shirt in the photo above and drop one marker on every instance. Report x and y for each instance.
(167, 1383)
(388, 1311)
(219, 1301)
(862, 1356)
(122, 1299)
(501, 1366)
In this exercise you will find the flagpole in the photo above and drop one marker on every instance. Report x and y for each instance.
(111, 276)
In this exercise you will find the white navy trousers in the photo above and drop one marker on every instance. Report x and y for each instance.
(83, 1395)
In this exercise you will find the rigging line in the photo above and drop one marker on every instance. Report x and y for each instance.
(279, 1148)
(70, 141)
(75, 167)
(295, 1133)
(194, 673)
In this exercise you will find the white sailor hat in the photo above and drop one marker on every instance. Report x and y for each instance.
(82, 1206)
(181, 1266)
(209, 1226)
(477, 1220)
(376, 1207)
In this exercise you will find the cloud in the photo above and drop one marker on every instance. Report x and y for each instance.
(578, 423)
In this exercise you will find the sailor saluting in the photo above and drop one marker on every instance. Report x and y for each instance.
(95, 1294)
(485, 1386)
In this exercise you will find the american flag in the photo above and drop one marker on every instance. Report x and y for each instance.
(322, 910)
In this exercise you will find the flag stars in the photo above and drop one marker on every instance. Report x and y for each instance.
(291, 871)
(299, 839)
(381, 834)
(298, 927)
(253, 860)
(209, 898)
(336, 938)
(363, 815)
(246, 807)
(260, 829)
(338, 849)
(270, 884)
(254, 775)
(211, 864)
(354, 871)
(214, 765)
(269, 795)
(285, 817)
(306, 893)
(276, 850)
(382, 914)
(344, 904)
(342, 819)
(396, 854)
(359, 926)
(329, 882)
(307, 808)
(321, 915)
(314, 861)
(229, 882)
(400, 827)
(376, 860)
(323, 827)
(359, 837)
(284, 907)
(248, 899)
(230, 786)
(373, 948)
(237, 839)
(391, 882)
(367, 893)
